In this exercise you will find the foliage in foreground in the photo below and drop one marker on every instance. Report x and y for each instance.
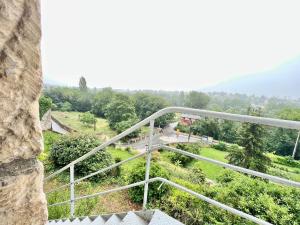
(273, 203)
(45, 104)
(252, 155)
(68, 148)
(138, 174)
(181, 159)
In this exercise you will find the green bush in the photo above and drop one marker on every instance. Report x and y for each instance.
(288, 161)
(45, 104)
(49, 139)
(82, 207)
(196, 176)
(182, 128)
(138, 174)
(220, 146)
(88, 119)
(69, 148)
(274, 203)
(182, 159)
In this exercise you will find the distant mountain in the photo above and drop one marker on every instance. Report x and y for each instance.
(49, 82)
(283, 81)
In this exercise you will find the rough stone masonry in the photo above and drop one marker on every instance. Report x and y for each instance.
(22, 200)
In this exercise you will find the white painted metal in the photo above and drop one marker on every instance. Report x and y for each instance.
(236, 168)
(296, 145)
(148, 164)
(213, 202)
(204, 113)
(72, 191)
(98, 172)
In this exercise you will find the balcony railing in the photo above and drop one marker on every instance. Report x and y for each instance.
(203, 113)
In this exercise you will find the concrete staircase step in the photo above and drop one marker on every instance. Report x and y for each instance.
(113, 220)
(132, 219)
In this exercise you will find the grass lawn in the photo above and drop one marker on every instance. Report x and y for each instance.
(71, 119)
(211, 171)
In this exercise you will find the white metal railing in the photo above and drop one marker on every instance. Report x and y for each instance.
(204, 113)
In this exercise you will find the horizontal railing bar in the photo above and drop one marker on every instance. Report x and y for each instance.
(111, 190)
(59, 203)
(100, 171)
(110, 167)
(163, 180)
(213, 202)
(204, 113)
(236, 168)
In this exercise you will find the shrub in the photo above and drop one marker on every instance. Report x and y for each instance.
(69, 148)
(138, 174)
(88, 119)
(49, 139)
(182, 159)
(182, 128)
(196, 176)
(220, 146)
(274, 203)
(45, 104)
(288, 161)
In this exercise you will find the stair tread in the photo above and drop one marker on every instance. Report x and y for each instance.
(160, 218)
(132, 219)
(113, 220)
(86, 221)
(98, 221)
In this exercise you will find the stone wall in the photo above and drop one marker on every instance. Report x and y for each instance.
(22, 200)
(46, 121)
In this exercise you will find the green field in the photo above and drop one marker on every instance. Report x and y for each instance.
(71, 119)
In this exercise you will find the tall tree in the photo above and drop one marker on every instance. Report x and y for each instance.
(82, 84)
(101, 100)
(120, 109)
(196, 100)
(147, 104)
(251, 156)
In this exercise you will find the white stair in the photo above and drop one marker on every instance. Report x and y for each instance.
(150, 217)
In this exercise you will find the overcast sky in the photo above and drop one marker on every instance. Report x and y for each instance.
(165, 44)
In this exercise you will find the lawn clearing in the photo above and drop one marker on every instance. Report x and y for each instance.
(71, 119)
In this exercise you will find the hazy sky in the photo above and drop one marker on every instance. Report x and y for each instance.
(165, 44)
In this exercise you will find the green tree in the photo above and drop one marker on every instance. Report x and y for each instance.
(88, 119)
(197, 100)
(147, 104)
(251, 156)
(82, 84)
(101, 100)
(228, 131)
(45, 104)
(120, 109)
(65, 107)
(208, 127)
(282, 141)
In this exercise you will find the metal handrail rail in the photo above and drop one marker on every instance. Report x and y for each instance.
(205, 113)
(226, 116)
(274, 179)
(166, 181)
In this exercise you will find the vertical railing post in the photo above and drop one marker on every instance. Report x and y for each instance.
(148, 161)
(72, 192)
(296, 145)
